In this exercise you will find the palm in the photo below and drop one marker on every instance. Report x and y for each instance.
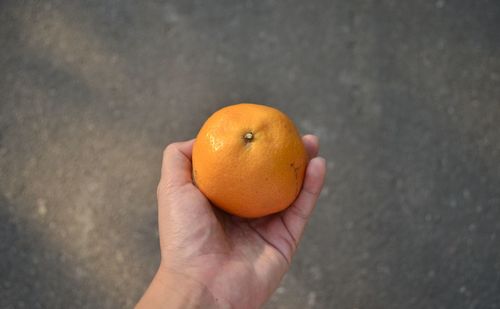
(237, 259)
(252, 250)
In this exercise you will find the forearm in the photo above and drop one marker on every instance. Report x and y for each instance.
(174, 290)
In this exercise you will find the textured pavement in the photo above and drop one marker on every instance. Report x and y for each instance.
(405, 97)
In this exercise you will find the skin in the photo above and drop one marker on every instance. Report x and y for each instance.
(210, 259)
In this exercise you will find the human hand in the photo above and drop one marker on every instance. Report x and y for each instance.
(210, 258)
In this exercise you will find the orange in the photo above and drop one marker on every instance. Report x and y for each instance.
(249, 160)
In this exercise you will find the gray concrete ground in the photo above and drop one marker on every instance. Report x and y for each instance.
(405, 96)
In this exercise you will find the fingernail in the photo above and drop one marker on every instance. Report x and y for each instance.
(322, 159)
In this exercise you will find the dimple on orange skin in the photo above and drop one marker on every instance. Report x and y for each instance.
(249, 160)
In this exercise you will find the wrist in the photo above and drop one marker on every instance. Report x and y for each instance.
(173, 289)
(184, 291)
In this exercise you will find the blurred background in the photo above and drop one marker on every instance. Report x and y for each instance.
(405, 96)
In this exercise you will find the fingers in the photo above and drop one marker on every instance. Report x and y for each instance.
(311, 142)
(176, 165)
(297, 215)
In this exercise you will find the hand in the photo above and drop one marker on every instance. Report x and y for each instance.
(212, 259)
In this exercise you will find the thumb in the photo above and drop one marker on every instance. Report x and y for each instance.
(183, 211)
(176, 166)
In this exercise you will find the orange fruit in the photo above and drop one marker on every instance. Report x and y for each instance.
(249, 160)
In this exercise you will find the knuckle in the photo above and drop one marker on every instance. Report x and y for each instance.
(166, 187)
(170, 148)
(312, 190)
(163, 187)
(300, 213)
